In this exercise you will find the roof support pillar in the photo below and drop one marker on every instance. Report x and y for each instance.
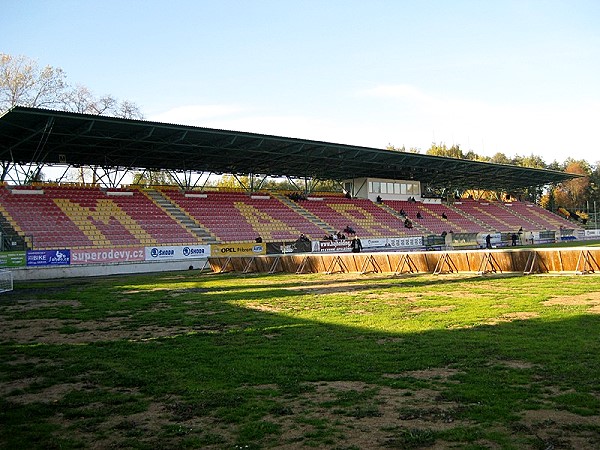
(21, 173)
(190, 179)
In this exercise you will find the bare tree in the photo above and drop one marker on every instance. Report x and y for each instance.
(105, 105)
(79, 100)
(23, 82)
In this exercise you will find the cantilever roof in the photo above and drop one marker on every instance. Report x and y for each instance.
(54, 137)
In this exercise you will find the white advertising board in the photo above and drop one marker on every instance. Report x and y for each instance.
(177, 252)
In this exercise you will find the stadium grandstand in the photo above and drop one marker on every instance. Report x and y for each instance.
(390, 199)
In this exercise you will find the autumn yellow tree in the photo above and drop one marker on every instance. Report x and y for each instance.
(573, 194)
(24, 82)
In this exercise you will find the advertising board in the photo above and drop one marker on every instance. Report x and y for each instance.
(345, 245)
(244, 249)
(60, 257)
(405, 242)
(332, 246)
(177, 252)
(107, 255)
(298, 246)
(12, 259)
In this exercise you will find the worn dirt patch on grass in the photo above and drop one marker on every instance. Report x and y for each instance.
(50, 394)
(376, 417)
(562, 429)
(436, 373)
(435, 309)
(513, 364)
(342, 285)
(511, 317)
(21, 306)
(9, 387)
(263, 306)
(58, 331)
(589, 299)
(371, 420)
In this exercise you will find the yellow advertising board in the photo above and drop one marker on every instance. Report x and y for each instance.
(247, 249)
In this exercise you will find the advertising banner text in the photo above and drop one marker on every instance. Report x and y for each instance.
(167, 253)
(48, 257)
(107, 255)
(245, 249)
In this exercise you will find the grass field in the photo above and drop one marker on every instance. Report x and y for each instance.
(347, 361)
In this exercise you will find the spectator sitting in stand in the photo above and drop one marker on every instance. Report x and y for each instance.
(349, 230)
(419, 216)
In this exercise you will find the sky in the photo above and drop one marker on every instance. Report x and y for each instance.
(517, 77)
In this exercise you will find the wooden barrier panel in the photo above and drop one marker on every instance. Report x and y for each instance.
(577, 260)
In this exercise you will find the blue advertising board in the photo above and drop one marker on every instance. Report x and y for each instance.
(48, 257)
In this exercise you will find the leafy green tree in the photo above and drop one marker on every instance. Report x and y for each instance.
(500, 158)
(595, 184)
(402, 149)
(555, 165)
(472, 156)
(443, 150)
(533, 161)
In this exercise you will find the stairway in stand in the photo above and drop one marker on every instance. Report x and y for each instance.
(10, 237)
(176, 213)
(328, 229)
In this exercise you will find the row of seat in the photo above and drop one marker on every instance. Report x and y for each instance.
(60, 217)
